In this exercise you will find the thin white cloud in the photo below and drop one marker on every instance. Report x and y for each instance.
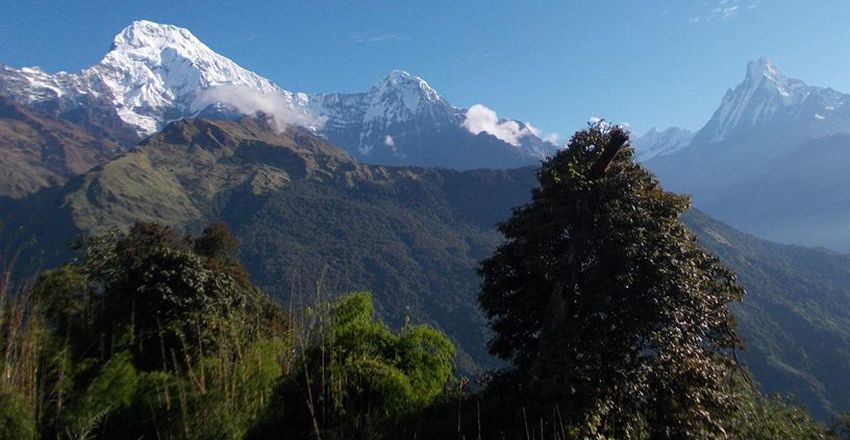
(375, 38)
(248, 39)
(481, 119)
(718, 10)
(251, 102)
(725, 12)
(552, 138)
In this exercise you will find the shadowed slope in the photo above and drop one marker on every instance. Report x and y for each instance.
(38, 151)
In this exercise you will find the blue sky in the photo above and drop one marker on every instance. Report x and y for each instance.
(552, 63)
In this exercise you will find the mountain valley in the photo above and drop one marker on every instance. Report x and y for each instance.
(396, 191)
(312, 221)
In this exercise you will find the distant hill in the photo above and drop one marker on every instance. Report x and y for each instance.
(38, 151)
(306, 213)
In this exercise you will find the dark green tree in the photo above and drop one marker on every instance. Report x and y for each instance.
(605, 304)
(216, 241)
(156, 293)
(155, 334)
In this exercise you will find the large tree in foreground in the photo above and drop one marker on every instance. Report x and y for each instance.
(605, 304)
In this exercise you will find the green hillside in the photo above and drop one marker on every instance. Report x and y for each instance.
(794, 318)
(313, 224)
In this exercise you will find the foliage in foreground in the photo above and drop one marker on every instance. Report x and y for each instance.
(73, 370)
(155, 335)
(616, 324)
(150, 335)
(358, 377)
(605, 305)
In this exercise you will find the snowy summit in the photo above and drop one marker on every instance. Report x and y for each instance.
(155, 73)
(765, 95)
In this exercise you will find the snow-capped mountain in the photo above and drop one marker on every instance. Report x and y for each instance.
(152, 74)
(397, 100)
(402, 120)
(772, 160)
(656, 143)
(767, 99)
(155, 73)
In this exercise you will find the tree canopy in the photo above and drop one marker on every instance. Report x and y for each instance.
(605, 304)
(153, 334)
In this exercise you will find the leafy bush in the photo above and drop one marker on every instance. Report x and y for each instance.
(356, 375)
(112, 388)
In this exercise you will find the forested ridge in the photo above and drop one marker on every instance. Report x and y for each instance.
(611, 320)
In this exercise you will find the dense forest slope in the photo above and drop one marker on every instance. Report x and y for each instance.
(314, 223)
(794, 318)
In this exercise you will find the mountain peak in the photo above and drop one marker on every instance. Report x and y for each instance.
(763, 73)
(657, 142)
(144, 33)
(400, 96)
(764, 93)
(402, 80)
(157, 73)
(155, 45)
(153, 68)
(398, 75)
(764, 68)
(652, 132)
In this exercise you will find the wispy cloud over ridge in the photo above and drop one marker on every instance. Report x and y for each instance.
(251, 102)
